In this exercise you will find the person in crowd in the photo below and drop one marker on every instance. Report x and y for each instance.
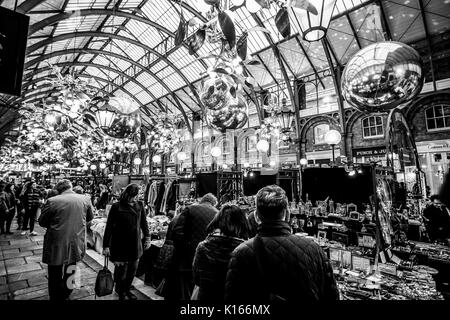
(188, 232)
(122, 241)
(3, 207)
(227, 230)
(277, 265)
(11, 203)
(65, 217)
(20, 190)
(52, 193)
(103, 197)
(437, 220)
(33, 200)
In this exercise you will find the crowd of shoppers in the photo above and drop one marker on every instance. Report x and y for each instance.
(219, 255)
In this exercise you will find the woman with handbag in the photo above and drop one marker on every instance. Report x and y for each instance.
(227, 230)
(122, 241)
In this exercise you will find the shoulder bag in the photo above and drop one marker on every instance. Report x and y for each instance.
(104, 283)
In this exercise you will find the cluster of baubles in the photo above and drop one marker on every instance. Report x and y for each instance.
(165, 136)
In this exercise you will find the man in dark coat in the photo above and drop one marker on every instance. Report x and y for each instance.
(437, 220)
(188, 232)
(65, 216)
(277, 265)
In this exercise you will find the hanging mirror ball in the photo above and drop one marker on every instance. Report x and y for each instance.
(124, 126)
(382, 76)
(215, 93)
(233, 115)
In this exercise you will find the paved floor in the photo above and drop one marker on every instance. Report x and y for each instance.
(24, 277)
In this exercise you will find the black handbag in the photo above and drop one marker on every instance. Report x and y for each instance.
(104, 283)
(165, 256)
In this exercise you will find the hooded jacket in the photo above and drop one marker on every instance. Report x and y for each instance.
(211, 264)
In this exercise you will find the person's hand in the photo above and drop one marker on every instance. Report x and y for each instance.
(106, 252)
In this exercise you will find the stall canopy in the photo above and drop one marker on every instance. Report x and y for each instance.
(127, 46)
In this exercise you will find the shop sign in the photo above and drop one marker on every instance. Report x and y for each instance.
(116, 163)
(367, 152)
(438, 146)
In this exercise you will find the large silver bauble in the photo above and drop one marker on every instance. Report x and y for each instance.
(215, 93)
(233, 115)
(382, 76)
(124, 126)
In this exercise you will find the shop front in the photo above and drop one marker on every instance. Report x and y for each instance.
(434, 157)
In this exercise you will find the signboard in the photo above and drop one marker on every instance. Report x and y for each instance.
(368, 152)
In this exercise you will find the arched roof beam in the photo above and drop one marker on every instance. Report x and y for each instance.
(28, 5)
(70, 35)
(40, 95)
(89, 12)
(37, 71)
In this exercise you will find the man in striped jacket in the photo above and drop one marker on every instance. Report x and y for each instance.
(33, 200)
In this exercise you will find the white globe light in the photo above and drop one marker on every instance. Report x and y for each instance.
(181, 156)
(272, 163)
(102, 165)
(303, 162)
(156, 158)
(225, 166)
(333, 137)
(216, 152)
(263, 146)
(252, 6)
(137, 161)
(93, 167)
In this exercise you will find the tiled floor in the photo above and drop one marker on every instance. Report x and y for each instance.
(24, 277)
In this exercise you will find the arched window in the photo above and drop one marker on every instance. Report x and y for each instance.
(319, 133)
(250, 143)
(373, 127)
(438, 117)
(226, 146)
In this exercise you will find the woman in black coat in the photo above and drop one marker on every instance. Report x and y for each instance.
(122, 241)
(227, 230)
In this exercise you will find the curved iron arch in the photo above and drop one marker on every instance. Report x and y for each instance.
(90, 12)
(414, 107)
(99, 34)
(98, 66)
(317, 120)
(84, 76)
(118, 56)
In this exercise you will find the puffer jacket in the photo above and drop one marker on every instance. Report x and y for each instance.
(211, 264)
(190, 230)
(298, 269)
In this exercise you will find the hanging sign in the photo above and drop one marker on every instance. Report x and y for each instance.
(367, 152)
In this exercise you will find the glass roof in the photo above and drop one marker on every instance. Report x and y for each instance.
(128, 45)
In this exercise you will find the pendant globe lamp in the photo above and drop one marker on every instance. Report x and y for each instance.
(314, 20)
